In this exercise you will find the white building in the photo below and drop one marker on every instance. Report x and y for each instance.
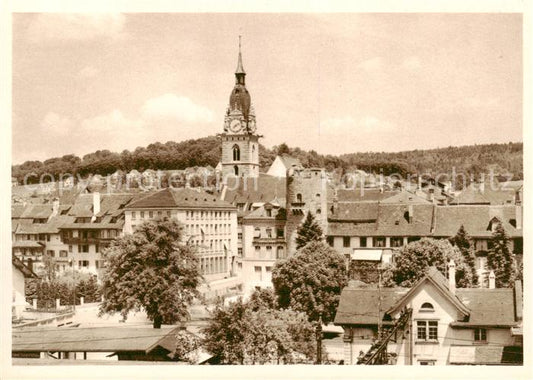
(446, 325)
(209, 223)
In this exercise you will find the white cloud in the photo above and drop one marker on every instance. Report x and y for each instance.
(371, 123)
(373, 64)
(113, 121)
(175, 108)
(75, 26)
(412, 63)
(56, 124)
(88, 72)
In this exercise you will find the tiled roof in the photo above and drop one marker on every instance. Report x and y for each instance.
(363, 194)
(261, 213)
(405, 197)
(289, 161)
(481, 306)
(187, 198)
(27, 244)
(31, 211)
(394, 221)
(488, 306)
(475, 219)
(263, 189)
(93, 339)
(489, 195)
(391, 220)
(361, 305)
(355, 211)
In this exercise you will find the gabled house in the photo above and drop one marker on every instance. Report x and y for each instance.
(281, 164)
(446, 325)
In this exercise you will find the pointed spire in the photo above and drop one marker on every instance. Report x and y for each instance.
(240, 69)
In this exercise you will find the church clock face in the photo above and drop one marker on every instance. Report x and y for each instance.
(235, 126)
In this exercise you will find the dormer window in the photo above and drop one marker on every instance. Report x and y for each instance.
(427, 307)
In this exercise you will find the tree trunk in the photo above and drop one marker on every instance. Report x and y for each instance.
(158, 321)
(319, 341)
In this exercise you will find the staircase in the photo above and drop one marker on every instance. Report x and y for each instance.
(377, 354)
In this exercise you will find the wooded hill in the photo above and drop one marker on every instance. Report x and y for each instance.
(470, 160)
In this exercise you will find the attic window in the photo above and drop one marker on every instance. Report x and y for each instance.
(512, 222)
(427, 307)
(186, 199)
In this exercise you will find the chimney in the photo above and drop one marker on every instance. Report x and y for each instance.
(518, 211)
(451, 276)
(96, 203)
(335, 206)
(419, 182)
(411, 214)
(492, 280)
(55, 207)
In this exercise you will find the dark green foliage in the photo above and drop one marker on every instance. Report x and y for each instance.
(151, 269)
(462, 241)
(309, 231)
(500, 259)
(412, 262)
(254, 333)
(311, 282)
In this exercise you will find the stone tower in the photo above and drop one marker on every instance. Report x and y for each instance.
(306, 192)
(240, 141)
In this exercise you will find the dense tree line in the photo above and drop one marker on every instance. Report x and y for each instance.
(469, 160)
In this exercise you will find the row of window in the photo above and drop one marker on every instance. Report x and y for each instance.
(428, 331)
(212, 244)
(208, 229)
(269, 233)
(150, 214)
(213, 265)
(209, 215)
(280, 251)
(32, 237)
(90, 234)
(376, 241)
(259, 272)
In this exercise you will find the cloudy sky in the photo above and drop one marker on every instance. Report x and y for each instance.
(336, 83)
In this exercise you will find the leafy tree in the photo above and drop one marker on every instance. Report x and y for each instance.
(253, 333)
(309, 231)
(500, 258)
(151, 269)
(412, 262)
(462, 241)
(187, 345)
(311, 282)
(283, 149)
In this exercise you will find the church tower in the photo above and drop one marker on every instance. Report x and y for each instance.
(240, 141)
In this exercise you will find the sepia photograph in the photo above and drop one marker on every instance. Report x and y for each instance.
(266, 189)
